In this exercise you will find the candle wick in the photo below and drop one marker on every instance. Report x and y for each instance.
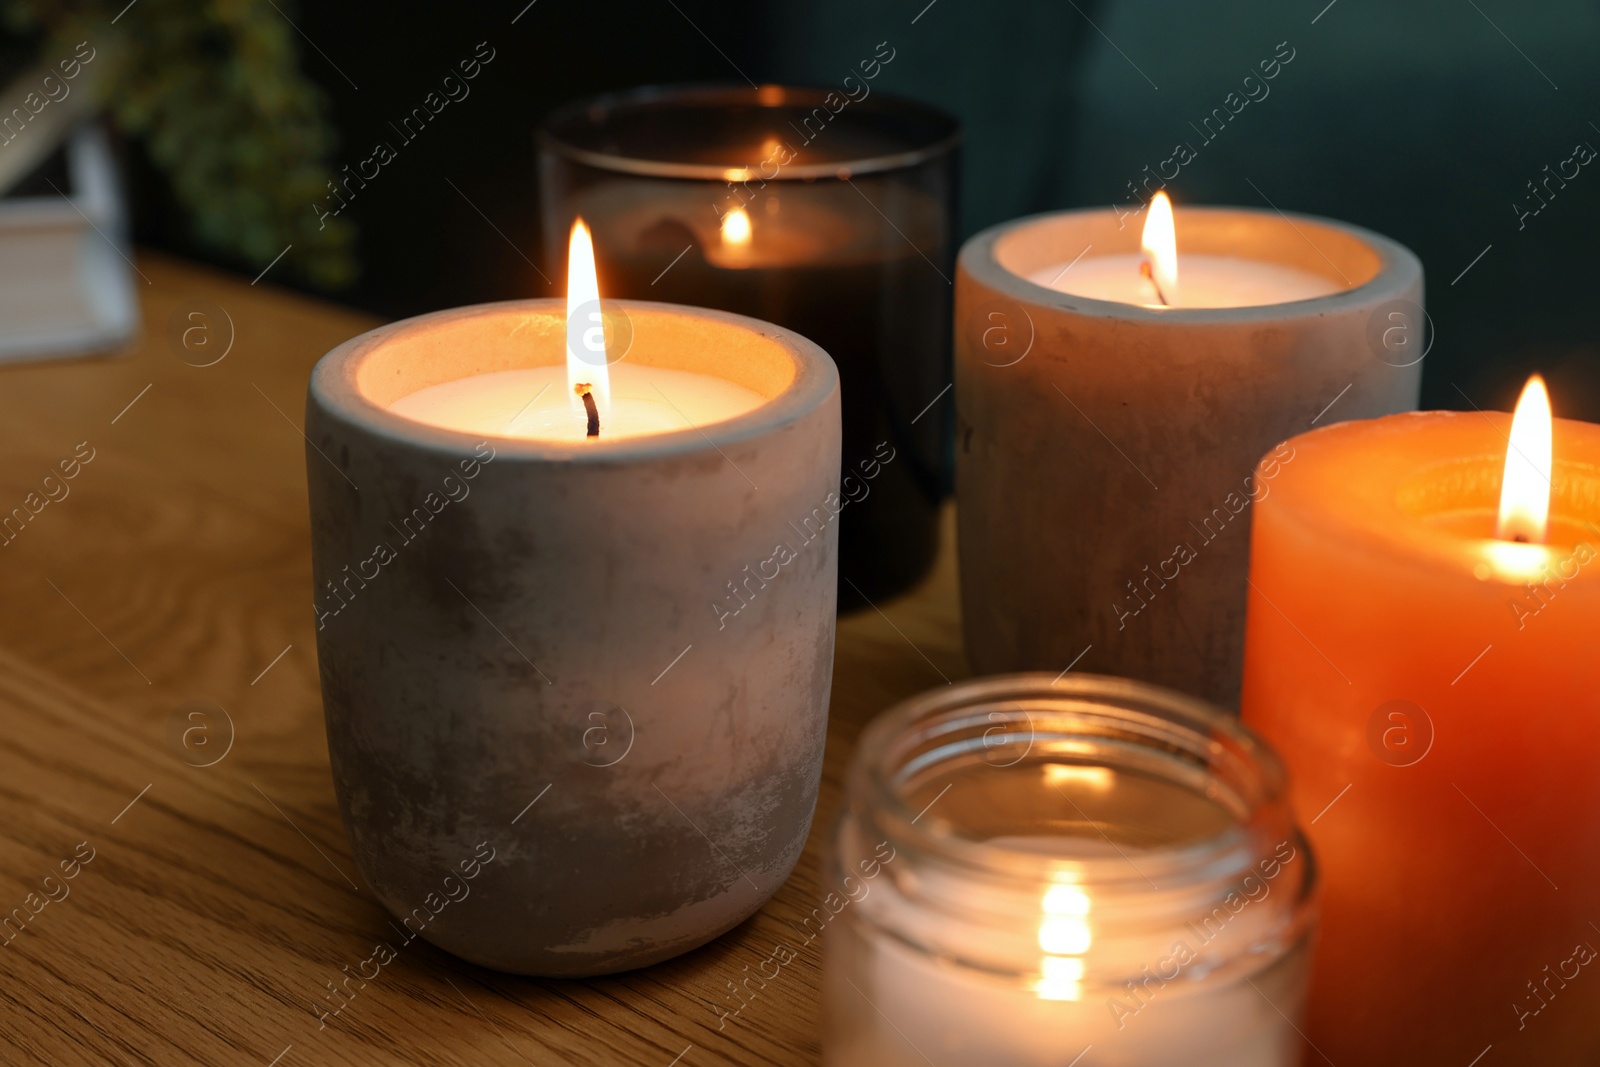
(1520, 538)
(1148, 271)
(583, 389)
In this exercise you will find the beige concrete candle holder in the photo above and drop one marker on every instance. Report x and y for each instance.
(1106, 452)
(576, 694)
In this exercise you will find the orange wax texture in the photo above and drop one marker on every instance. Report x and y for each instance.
(1461, 859)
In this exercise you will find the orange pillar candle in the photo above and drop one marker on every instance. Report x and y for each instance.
(1421, 647)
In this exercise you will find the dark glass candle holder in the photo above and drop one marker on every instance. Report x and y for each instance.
(827, 214)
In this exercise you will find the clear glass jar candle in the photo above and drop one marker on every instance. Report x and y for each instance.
(1088, 871)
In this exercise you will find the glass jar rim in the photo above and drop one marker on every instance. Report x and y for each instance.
(1186, 730)
(556, 135)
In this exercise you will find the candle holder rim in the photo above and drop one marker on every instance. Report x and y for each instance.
(866, 780)
(333, 388)
(1431, 548)
(1398, 270)
(550, 141)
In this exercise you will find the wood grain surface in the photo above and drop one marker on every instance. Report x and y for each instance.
(218, 902)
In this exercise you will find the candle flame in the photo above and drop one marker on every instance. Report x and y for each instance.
(586, 334)
(736, 228)
(1099, 779)
(1060, 978)
(1064, 936)
(1525, 488)
(1159, 245)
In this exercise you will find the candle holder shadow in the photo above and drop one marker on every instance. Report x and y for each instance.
(1106, 452)
(553, 754)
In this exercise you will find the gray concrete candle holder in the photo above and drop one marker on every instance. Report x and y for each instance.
(1106, 452)
(557, 748)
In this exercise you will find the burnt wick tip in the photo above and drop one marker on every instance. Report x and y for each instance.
(1147, 270)
(590, 409)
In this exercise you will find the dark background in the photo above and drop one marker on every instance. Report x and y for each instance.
(1423, 120)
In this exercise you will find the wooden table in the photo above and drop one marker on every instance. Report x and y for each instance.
(219, 901)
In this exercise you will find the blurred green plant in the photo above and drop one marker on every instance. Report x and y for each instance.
(214, 90)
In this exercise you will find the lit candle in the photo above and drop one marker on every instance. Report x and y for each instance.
(1151, 277)
(1113, 396)
(1090, 872)
(576, 616)
(1424, 602)
(547, 403)
(732, 248)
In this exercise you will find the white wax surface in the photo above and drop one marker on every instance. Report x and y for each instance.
(644, 400)
(1203, 281)
(923, 1010)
